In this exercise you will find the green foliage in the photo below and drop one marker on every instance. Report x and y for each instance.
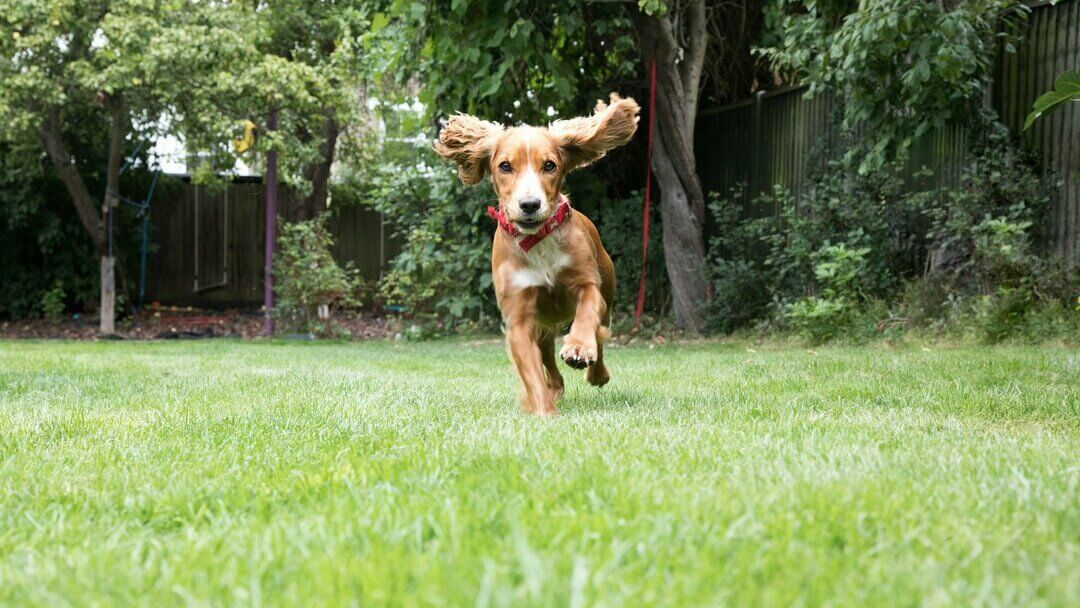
(619, 224)
(443, 274)
(901, 67)
(981, 232)
(52, 302)
(308, 278)
(1066, 89)
(767, 252)
(41, 239)
(516, 58)
(839, 271)
(860, 251)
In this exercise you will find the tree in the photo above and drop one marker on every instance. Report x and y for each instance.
(315, 60)
(675, 36)
(59, 59)
(516, 59)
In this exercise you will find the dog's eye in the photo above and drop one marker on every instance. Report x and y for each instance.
(549, 166)
(505, 167)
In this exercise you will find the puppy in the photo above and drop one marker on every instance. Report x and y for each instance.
(548, 265)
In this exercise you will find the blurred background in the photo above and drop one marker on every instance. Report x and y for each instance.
(830, 169)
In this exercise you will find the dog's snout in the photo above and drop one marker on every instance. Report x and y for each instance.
(529, 205)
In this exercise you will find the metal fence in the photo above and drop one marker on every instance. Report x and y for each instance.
(779, 137)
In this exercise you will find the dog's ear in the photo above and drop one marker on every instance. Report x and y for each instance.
(468, 141)
(586, 139)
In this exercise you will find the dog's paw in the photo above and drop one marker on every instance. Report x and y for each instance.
(597, 375)
(578, 354)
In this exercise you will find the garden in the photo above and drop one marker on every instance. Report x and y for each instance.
(251, 351)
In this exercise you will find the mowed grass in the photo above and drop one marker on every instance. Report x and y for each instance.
(228, 473)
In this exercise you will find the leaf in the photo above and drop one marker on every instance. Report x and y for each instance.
(1066, 88)
(379, 21)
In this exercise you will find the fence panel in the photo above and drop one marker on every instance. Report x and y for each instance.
(211, 252)
(1051, 46)
(781, 137)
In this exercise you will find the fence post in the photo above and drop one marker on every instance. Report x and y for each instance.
(757, 148)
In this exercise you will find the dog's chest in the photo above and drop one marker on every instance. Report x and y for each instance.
(540, 267)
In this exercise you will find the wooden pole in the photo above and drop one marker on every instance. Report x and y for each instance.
(271, 225)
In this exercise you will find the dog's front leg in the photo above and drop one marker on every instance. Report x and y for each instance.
(523, 342)
(581, 347)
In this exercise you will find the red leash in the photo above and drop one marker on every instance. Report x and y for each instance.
(648, 194)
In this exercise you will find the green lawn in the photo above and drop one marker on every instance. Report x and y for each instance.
(231, 473)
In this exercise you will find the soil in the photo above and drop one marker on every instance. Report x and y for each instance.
(171, 322)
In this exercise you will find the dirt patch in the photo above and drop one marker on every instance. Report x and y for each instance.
(166, 323)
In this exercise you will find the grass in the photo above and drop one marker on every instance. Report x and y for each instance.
(233, 473)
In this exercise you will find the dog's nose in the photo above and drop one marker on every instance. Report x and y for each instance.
(529, 205)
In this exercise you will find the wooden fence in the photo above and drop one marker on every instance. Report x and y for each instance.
(211, 243)
(776, 137)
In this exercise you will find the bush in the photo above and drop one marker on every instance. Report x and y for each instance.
(859, 253)
(619, 223)
(442, 276)
(52, 302)
(980, 234)
(310, 285)
(839, 269)
(769, 253)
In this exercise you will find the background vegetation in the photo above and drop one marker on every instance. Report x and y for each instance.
(864, 253)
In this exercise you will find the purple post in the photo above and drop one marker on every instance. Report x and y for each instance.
(271, 182)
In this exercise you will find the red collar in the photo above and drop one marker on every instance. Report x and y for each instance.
(530, 241)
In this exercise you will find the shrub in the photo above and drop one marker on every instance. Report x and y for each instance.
(441, 279)
(839, 270)
(619, 223)
(308, 279)
(52, 301)
(767, 253)
(980, 234)
(859, 253)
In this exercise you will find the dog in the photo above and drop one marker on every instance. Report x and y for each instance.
(548, 265)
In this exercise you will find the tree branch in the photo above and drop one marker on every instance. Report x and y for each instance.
(694, 59)
(49, 133)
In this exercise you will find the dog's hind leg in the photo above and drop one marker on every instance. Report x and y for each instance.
(597, 374)
(547, 353)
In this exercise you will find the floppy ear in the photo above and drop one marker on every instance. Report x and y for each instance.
(468, 141)
(586, 139)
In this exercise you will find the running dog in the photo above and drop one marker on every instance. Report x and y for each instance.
(547, 263)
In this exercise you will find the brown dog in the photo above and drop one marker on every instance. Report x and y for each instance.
(547, 262)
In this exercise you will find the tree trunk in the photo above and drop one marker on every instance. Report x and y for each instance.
(117, 132)
(318, 174)
(50, 134)
(682, 201)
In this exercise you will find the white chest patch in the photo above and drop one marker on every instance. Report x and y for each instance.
(542, 264)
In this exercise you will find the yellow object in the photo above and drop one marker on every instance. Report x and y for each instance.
(245, 143)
